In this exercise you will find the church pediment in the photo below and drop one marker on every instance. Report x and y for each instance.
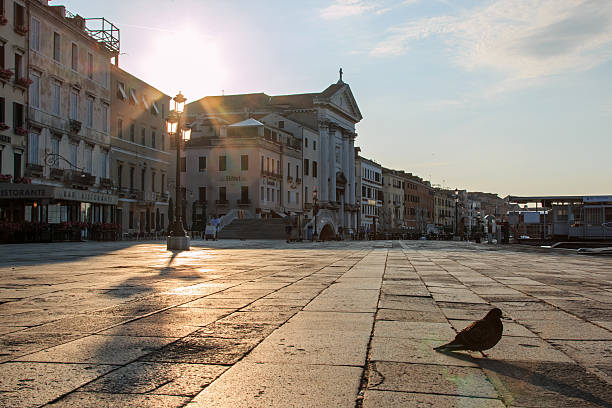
(340, 97)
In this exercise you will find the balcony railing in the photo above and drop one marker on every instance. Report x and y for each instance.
(271, 174)
(56, 174)
(221, 202)
(33, 169)
(106, 183)
(79, 178)
(242, 202)
(298, 180)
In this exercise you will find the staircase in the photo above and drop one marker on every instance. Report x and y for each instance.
(253, 228)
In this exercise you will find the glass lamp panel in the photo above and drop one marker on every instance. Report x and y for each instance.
(171, 126)
(186, 134)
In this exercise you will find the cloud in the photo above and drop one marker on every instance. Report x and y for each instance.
(347, 8)
(524, 39)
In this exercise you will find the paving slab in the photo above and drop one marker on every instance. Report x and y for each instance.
(288, 385)
(376, 399)
(103, 400)
(24, 384)
(430, 379)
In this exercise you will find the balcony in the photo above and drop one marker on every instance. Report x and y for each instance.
(79, 178)
(290, 179)
(307, 206)
(106, 183)
(298, 180)
(271, 174)
(75, 126)
(244, 203)
(33, 170)
(56, 174)
(221, 202)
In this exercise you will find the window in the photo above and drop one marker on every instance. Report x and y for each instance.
(132, 178)
(262, 196)
(314, 145)
(18, 71)
(153, 139)
(202, 194)
(244, 194)
(267, 164)
(33, 153)
(288, 169)
(244, 162)
(153, 180)
(121, 91)
(2, 62)
(89, 159)
(297, 198)
(305, 142)
(103, 159)
(262, 163)
(19, 14)
(35, 35)
(202, 163)
(2, 111)
(143, 175)
(55, 97)
(57, 41)
(73, 154)
(120, 176)
(222, 194)
(35, 90)
(132, 132)
(163, 182)
(104, 117)
(75, 57)
(305, 194)
(55, 145)
(120, 128)
(281, 124)
(143, 136)
(288, 197)
(163, 141)
(297, 171)
(90, 104)
(268, 194)
(222, 163)
(90, 65)
(74, 105)
(314, 169)
(18, 117)
(306, 166)
(133, 99)
(183, 164)
(131, 220)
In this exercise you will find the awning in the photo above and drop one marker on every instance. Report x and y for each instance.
(11, 191)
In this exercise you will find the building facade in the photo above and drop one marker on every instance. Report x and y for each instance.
(393, 209)
(13, 101)
(370, 195)
(332, 114)
(65, 119)
(444, 210)
(139, 153)
(419, 207)
(245, 170)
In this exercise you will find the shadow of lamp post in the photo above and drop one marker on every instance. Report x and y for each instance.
(178, 238)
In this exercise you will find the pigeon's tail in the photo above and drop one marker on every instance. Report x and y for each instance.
(452, 346)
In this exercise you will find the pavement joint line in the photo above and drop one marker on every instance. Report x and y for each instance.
(441, 394)
(363, 382)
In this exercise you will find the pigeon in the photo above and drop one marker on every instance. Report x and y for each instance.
(478, 336)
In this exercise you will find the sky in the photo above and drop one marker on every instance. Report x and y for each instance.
(505, 96)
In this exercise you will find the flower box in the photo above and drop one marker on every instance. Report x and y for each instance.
(24, 82)
(5, 178)
(21, 29)
(3, 20)
(5, 74)
(21, 131)
(3, 126)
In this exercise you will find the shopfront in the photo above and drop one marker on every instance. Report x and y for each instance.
(33, 212)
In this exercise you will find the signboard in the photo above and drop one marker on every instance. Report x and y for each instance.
(36, 191)
(597, 199)
(531, 217)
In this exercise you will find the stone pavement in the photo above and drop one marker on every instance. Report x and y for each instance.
(260, 324)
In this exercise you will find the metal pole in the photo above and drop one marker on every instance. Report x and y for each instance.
(178, 230)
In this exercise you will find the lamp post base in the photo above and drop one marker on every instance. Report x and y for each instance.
(178, 243)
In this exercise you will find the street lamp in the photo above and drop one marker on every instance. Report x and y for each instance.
(178, 238)
(315, 210)
(456, 212)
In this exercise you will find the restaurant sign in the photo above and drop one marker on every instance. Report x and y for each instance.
(33, 191)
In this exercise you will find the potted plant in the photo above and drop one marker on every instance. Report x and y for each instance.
(3, 20)
(21, 131)
(21, 29)
(24, 82)
(3, 126)
(5, 74)
(5, 178)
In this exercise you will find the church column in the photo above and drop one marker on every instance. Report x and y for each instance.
(345, 166)
(332, 164)
(353, 181)
(323, 162)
